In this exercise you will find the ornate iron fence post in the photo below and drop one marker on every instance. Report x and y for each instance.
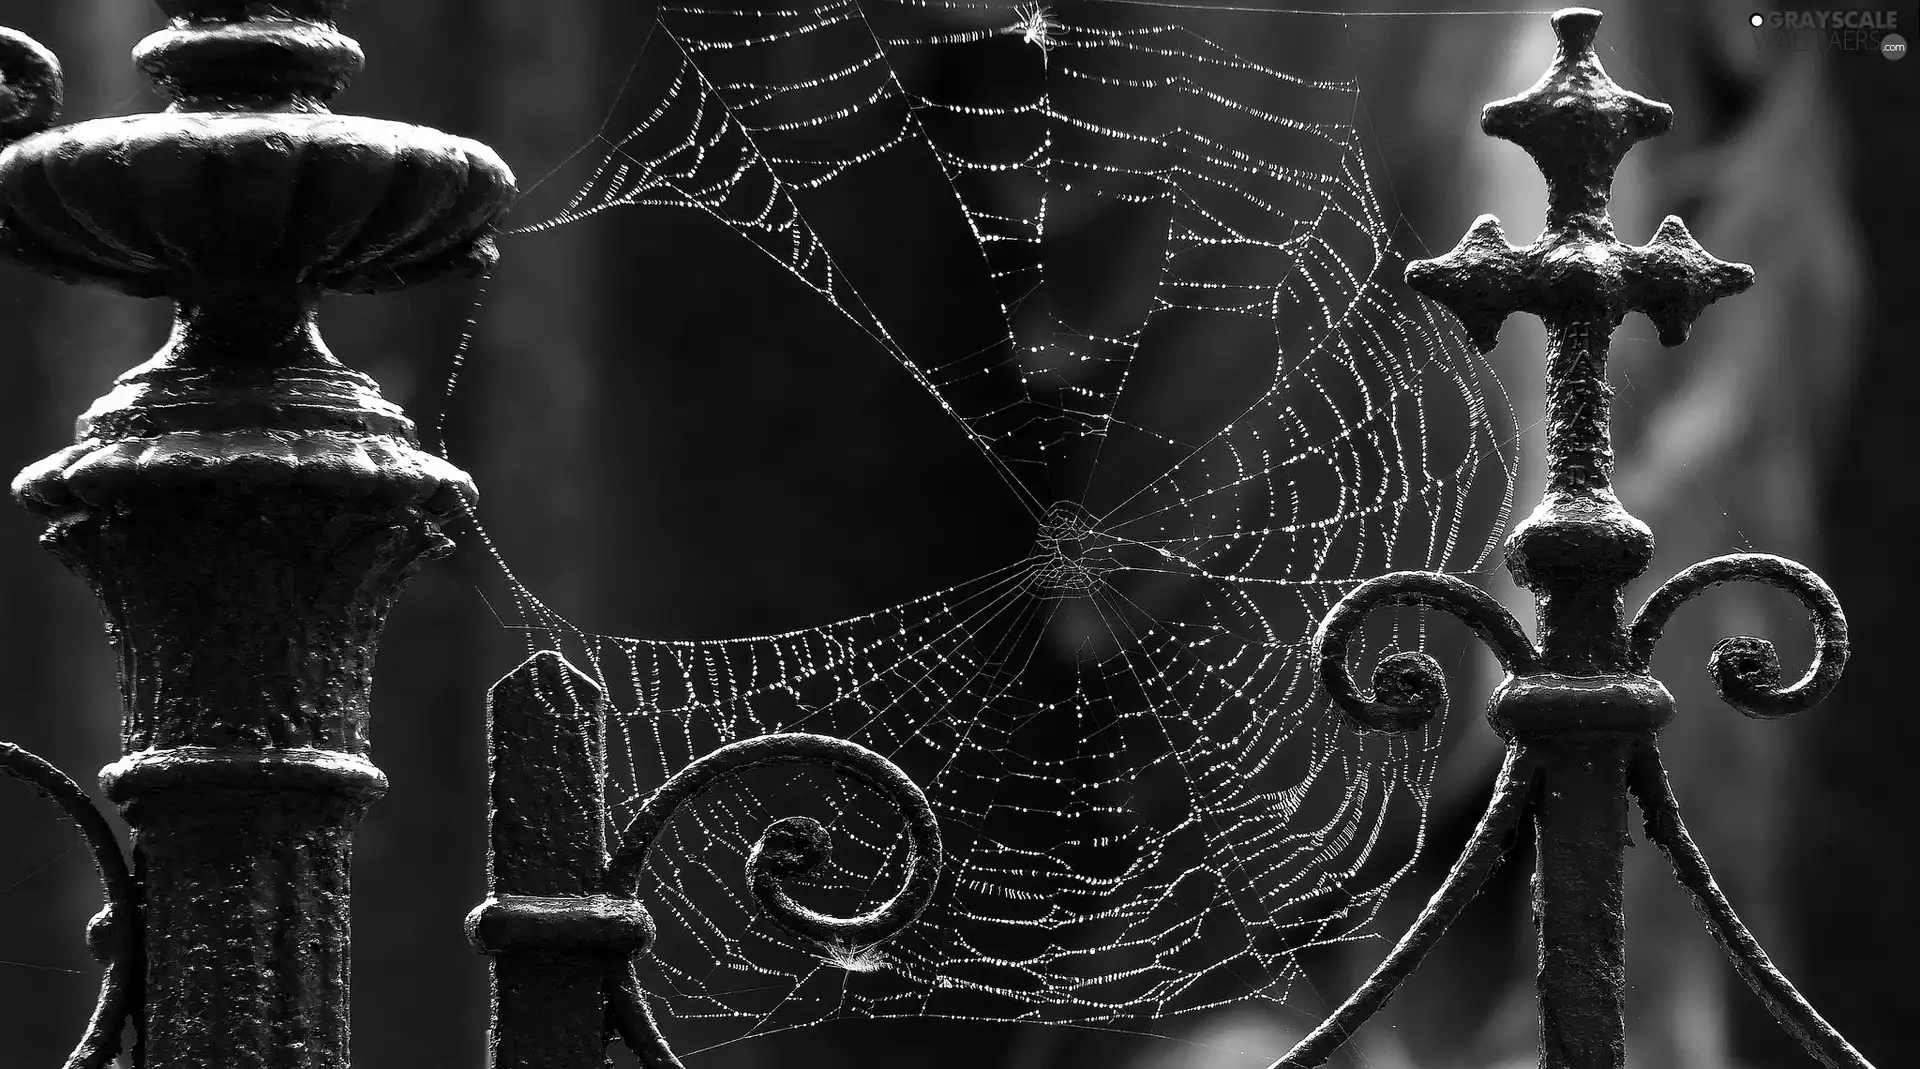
(1579, 710)
(245, 507)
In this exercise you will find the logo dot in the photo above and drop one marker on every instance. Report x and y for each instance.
(1757, 20)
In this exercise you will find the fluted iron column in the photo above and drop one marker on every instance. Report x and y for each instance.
(245, 507)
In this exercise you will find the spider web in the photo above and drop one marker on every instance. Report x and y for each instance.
(1147, 809)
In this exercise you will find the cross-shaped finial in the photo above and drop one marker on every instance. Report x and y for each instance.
(1577, 124)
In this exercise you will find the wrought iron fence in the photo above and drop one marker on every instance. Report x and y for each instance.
(247, 509)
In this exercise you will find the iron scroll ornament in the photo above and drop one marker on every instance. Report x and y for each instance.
(791, 848)
(1746, 670)
(114, 934)
(564, 924)
(1408, 691)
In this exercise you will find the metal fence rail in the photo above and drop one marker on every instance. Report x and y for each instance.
(247, 509)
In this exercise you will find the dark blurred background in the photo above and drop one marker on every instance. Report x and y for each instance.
(646, 493)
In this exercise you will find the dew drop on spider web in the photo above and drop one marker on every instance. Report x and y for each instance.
(1172, 340)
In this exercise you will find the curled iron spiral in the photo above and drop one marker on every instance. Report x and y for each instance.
(1409, 689)
(1746, 670)
(114, 934)
(789, 850)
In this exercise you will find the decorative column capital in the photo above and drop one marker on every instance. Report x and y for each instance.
(245, 203)
(246, 507)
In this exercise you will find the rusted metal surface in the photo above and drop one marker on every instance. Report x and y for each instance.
(1578, 709)
(245, 507)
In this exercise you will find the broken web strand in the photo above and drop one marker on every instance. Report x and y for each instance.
(1265, 803)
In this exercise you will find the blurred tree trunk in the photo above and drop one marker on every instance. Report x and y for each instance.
(1852, 809)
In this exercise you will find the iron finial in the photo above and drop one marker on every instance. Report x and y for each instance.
(1577, 124)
